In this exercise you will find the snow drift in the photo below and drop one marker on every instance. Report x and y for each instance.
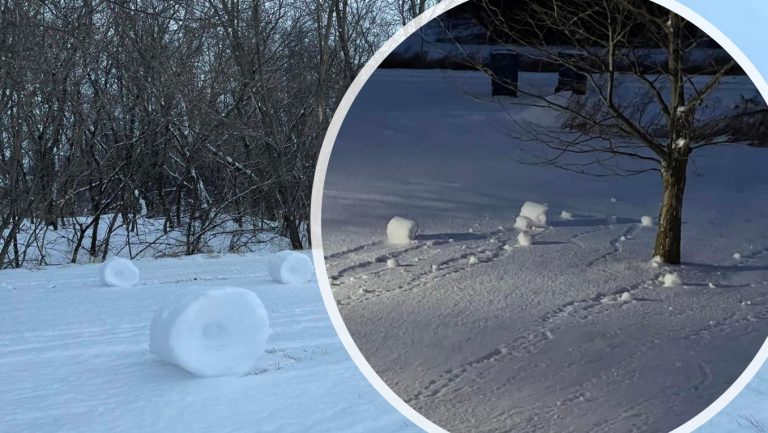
(401, 230)
(119, 272)
(220, 332)
(290, 267)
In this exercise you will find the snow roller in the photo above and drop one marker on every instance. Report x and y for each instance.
(290, 267)
(220, 332)
(119, 272)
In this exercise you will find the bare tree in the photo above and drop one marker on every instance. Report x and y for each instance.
(203, 118)
(613, 45)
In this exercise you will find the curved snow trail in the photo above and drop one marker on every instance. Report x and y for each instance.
(537, 338)
(516, 365)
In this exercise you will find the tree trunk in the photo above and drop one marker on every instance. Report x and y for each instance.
(668, 238)
(292, 230)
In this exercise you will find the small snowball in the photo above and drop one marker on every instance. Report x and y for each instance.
(671, 279)
(625, 297)
(565, 215)
(523, 223)
(623, 238)
(119, 272)
(613, 199)
(401, 230)
(524, 239)
(290, 267)
(435, 267)
(473, 260)
(537, 212)
(508, 247)
(392, 263)
(646, 221)
(711, 285)
(737, 256)
(656, 261)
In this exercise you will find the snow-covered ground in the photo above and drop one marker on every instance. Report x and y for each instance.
(74, 357)
(746, 412)
(573, 333)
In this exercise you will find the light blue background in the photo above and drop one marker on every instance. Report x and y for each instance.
(745, 22)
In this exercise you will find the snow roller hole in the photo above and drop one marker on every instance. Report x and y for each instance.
(215, 331)
(290, 267)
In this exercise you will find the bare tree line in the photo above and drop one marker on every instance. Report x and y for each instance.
(205, 114)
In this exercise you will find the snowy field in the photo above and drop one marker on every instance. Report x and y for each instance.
(574, 333)
(74, 357)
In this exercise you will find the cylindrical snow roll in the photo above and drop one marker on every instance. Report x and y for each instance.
(220, 332)
(290, 267)
(401, 230)
(537, 212)
(119, 272)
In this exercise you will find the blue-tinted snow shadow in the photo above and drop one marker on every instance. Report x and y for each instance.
(727, 268)
(457, 237)
(590, 222)
(153, 369)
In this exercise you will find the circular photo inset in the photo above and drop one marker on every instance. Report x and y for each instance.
(549, 216)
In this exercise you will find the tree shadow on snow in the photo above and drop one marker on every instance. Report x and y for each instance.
(457, 237)
(727, 268)
(590, 221)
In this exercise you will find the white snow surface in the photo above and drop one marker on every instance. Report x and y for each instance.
(119, 272)
(521, 341)
(221, 332)
(290, 267)
(401, 230)
(74, 357)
